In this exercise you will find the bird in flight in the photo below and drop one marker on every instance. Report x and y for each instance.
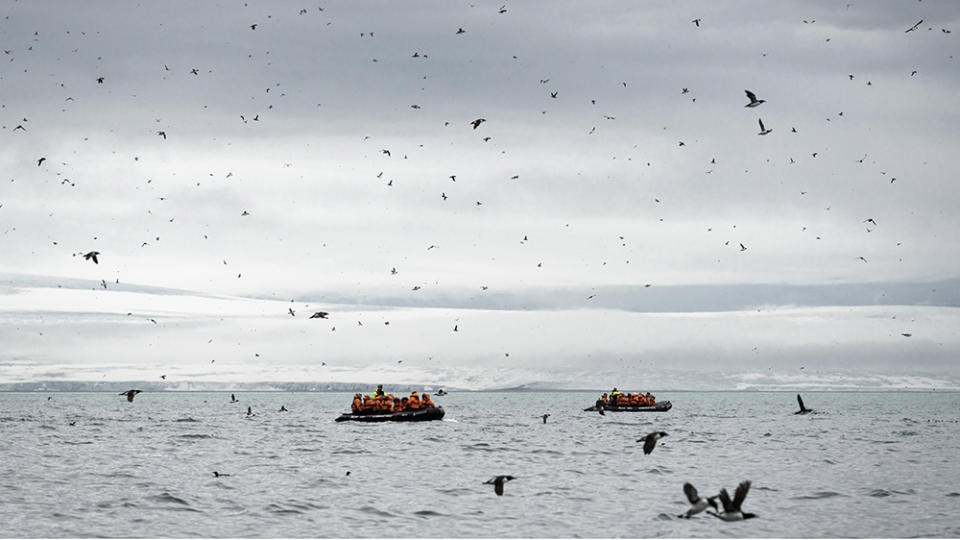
(40, 161)
(698, 503)
(92, 256)
(476, 123)
(731, 509)
(914, 27)
(696, 22)
(460, 30)
(803, 410)
(319, 315)
(130, 394)
(763, 130)
(754, 102)
(498, 482)
(650, 441)
(545, 418)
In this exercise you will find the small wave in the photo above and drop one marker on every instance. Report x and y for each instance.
(167, 497)
(375, 511)
(879, 493)
(819, 495)
(664, 517)
(905, 433)
(187, 419)
(659, 470)
(351, 451)
(75, 443)
(427, 513)
(277, 509)
(197, 436)
(953, 494)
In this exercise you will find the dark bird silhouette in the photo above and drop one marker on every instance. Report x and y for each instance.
(130, 394)
(99, 80)
(545, 418)
(554, 94)
(162, 134)
(253, 26)
(219, 474)
(291, 312)
(698, 503)
(696, 22)
(319, 315)
(731, 509)
(743, 247)
(283, 408)
(914, 27)
(803, 410)
(250, 411)
(92, 256)
(650, 441)
(754, 102)
(763, 130)
(233, 398)
(498, 482)
(40, 161)
(870, 220)
(460, 30)
(476, 123)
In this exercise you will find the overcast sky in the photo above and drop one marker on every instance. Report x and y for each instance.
(302, 149)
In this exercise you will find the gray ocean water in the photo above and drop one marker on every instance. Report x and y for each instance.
(865, 464)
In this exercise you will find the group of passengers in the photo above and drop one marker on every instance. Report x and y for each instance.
(619, 399)
(381, 402)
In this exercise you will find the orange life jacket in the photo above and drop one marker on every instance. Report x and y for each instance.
(426, 402)
(413, 403)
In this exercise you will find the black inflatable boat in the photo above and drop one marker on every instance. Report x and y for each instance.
(662, 406)
(419, 415)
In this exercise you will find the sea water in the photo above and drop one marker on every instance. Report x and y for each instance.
(92, 464)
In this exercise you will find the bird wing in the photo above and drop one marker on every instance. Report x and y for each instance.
(130, 395)
(725, 500)
(800, 401)
(649, 443)
(761, 124)
(751, 96)
(498, 488)
(740, 495)
(691, 492)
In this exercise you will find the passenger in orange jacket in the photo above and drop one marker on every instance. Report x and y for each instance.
(357, 403)
(413, 403)
(397, 405)
(426, 402)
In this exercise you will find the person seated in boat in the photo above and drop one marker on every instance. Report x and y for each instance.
(622, 400)
(650, 399)
(425, 402)
(413, 403)
(397, 405)
(635, 399)
(378, 392)
(367, 404)
(357, 403)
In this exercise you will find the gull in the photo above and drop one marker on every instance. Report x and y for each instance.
(130, 394)
(914, 27)
(319, 315)
(699, 504)
(731, 509)
(763, 130)
(498, 482)
(476, 123)
(754, 102)
(92, 256)
(650, 441)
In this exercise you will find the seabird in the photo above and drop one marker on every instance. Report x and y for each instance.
(763, 130)
(219, 474)
(92, 256)
(461, 30)
(698, 503)
(40, 161)
(283, 408)
(130, 394)
(233, 398)
(914, 27)
(249, 411)
(291, 312)
(545, 418)
(319, 315)
(476, 123)
(754, 102)
(498, 482)
(696, 22)
(803, 410)
(742, 247)
(731, 509)
(651, 440)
